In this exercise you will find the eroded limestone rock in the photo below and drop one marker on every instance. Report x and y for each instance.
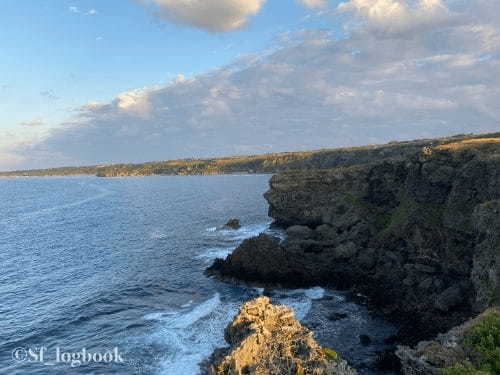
(266, 339)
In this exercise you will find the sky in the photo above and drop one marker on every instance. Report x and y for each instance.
(88, 82)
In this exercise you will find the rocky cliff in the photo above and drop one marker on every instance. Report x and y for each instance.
(266, 339)
(420, 235)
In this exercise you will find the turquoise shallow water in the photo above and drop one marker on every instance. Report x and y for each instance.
(118, 263)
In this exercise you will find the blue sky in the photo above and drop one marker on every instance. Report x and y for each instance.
(58, 54)
(87, 81)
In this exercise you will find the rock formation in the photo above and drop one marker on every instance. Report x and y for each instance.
(233, 224)
(420, 236)
(265, 339)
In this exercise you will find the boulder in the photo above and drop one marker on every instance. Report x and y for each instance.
(233, 224)
(258, 259)
(266, 339)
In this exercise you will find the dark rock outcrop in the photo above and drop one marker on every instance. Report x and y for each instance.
(233, 224)
(256, 259)
(265, 339)
(420, 236)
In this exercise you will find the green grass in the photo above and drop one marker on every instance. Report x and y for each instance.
(431, 214)
(483, 341)
(462, 369)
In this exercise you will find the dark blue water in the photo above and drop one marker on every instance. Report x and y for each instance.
(118, 263)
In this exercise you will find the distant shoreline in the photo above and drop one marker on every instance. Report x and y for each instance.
(253, 164)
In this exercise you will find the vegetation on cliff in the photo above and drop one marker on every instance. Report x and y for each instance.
(483, 345)
(472, 348)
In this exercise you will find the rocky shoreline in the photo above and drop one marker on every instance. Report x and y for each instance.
(419, 236)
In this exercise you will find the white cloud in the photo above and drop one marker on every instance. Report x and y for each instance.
(90, 12)
(213, 15)
(312, 91)
(33, 123)
(314, 3)
(134, 103)
(395, 16)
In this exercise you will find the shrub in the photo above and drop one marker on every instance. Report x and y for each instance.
(331, 354)
(484, 339)
(462, 369)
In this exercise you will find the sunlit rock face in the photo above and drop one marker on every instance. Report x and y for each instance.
(266, 339)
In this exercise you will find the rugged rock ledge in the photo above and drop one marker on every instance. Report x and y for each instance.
(265, 339)
(420, 236)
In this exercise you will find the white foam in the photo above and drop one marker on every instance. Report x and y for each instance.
(240, 234)
(248, 231)
(183, 319)
(300, 306)
(214, 253)
(300, 300)
(157, 235)
(315, 293)
(190, 337)
(228, 236)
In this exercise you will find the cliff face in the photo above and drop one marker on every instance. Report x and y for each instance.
(265, 339)
(421, 236)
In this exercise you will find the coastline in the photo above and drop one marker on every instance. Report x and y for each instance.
(255, 164)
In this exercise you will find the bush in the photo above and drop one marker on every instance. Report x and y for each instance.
(331, 354)
(462, 369)
(484, 339)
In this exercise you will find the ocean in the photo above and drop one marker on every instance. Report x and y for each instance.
(105, 276)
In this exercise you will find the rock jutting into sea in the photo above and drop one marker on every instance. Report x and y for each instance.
(233, 224)
(266, 339)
